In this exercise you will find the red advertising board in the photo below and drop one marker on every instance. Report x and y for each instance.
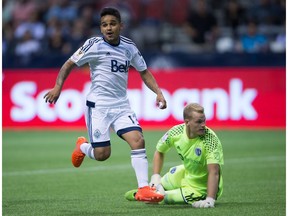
(232, 97)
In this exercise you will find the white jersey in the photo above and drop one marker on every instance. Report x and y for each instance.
(109, 67)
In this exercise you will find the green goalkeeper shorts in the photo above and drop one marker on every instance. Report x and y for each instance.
(176, 188)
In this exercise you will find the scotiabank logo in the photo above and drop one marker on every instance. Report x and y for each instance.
(27, 105)
(235, 103)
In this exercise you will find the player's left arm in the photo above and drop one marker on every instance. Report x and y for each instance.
(213, 180)
(151, 83)
(212, 187)
(214, 158)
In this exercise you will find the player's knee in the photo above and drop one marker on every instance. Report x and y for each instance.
(139, 142)
(135, 139)
(101, 155)
(101, 158)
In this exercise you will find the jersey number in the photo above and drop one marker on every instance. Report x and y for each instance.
(133, 119)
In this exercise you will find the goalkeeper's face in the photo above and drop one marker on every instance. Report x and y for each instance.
(195, 125)
(110, 28)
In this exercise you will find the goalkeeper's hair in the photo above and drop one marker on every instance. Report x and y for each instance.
(192, 107)
(110, 11)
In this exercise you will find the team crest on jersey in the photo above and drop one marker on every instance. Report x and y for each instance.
(97, 133)
(198, 151)
(173, 170)
(128, 54)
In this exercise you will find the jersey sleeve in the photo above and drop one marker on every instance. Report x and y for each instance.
(138, 61)
(85, 53)
(213, 148)
(164, 144)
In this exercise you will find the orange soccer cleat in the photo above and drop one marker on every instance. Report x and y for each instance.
(77, 154)
(148, 194)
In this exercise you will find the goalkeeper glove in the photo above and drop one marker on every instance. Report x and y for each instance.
(207, 203)
(156, 183)
(155, 180)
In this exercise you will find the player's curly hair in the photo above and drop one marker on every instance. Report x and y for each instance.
(110, 11)
(192, 107)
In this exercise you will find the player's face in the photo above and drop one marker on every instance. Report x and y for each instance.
(195, 126)
(111, 28)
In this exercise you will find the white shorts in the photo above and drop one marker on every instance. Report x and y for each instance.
(100, 120)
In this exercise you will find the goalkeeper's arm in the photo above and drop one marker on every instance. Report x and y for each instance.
(158, 161)
(213, 180)
(212, 187)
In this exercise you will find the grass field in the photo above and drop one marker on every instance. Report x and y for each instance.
(38, 177)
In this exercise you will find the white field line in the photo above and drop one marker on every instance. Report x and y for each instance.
(128, 166)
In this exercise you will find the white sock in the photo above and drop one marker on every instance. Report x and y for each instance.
(140, 164)
(88, 150)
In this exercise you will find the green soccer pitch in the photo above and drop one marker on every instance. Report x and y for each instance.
(39, 179)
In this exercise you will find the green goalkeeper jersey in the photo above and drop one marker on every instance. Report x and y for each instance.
(196, 154)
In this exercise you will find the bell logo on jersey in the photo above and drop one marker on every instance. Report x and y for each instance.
(122, 68)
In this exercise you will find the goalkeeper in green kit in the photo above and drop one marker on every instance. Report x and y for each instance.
(198, 181)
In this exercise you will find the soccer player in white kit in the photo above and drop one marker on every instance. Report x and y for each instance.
(107, 105)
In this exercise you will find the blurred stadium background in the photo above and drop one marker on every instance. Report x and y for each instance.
(230, 56)
(44, 33)
(227, 55)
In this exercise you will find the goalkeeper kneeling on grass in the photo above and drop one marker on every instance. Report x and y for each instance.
(198, 181)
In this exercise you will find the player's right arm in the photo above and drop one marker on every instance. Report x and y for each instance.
(158, 161)
(162, 147)
(53, 95)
